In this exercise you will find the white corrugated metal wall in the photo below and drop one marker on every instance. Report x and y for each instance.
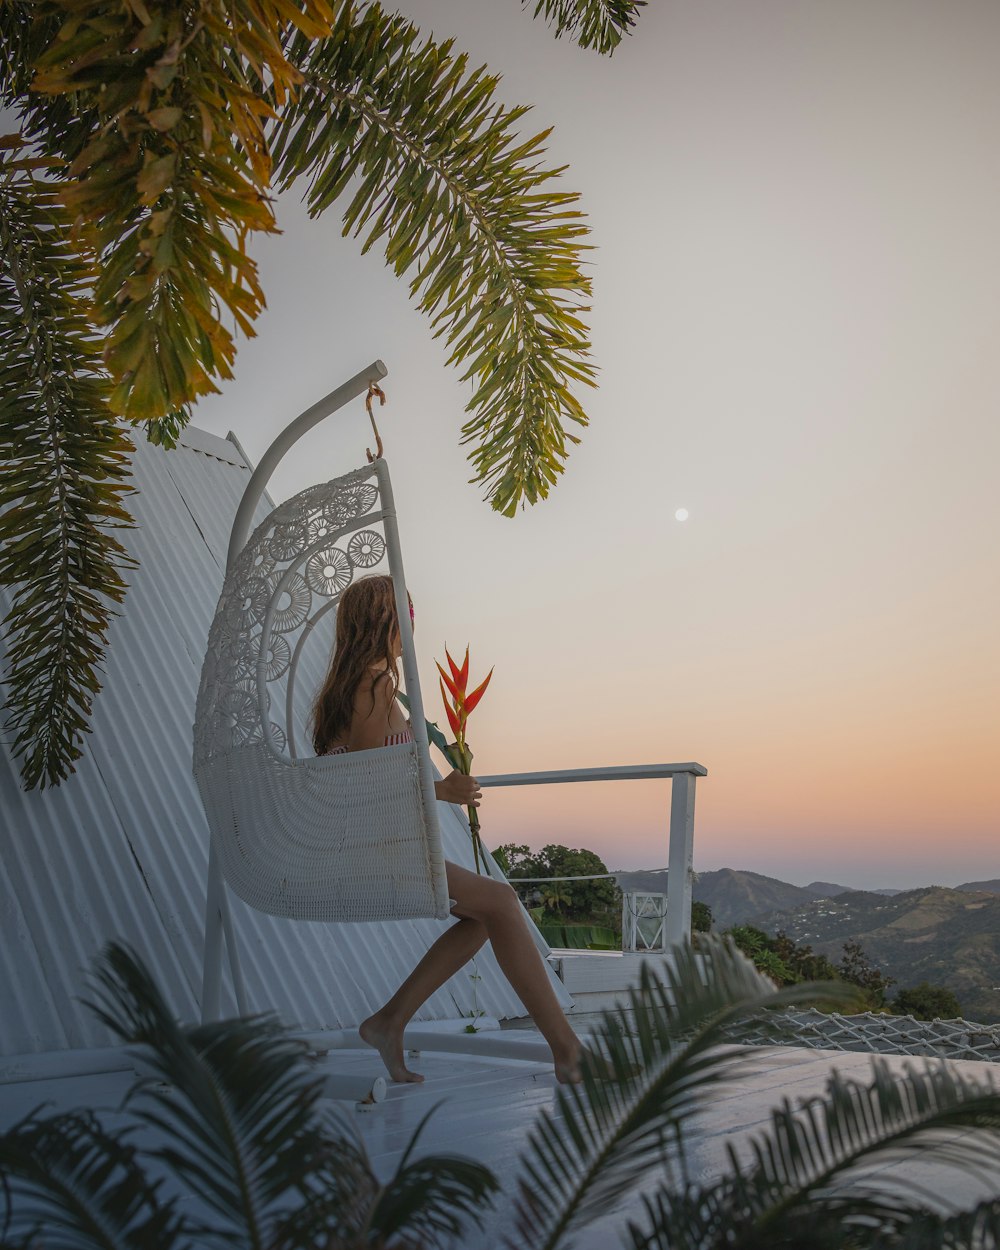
(120, 849)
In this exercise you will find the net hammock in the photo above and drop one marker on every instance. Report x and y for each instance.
(337, 838)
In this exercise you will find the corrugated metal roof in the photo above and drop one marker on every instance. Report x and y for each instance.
(120, 849)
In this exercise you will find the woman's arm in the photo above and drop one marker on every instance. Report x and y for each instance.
(457, 788)
(372, 724)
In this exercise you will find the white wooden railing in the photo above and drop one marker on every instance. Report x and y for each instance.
(681, 829)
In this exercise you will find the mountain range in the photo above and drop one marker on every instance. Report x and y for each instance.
(950, 937)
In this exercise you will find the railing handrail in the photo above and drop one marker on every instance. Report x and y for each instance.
(614, 772)
(596, 876)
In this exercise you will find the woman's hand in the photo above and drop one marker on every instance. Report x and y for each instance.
(457, 788)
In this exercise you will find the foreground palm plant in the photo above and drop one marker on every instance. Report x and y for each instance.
(235, 1109)
(238, 1123)
(165, 128)
(809, 1180)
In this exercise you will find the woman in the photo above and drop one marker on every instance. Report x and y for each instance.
(356, 710)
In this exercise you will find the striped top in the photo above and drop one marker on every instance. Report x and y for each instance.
(393, 740)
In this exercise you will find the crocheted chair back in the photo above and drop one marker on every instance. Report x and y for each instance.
(350, 837)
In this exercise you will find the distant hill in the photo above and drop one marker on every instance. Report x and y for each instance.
(947, 937)
(981, 887)
(826, 889)
(734, 895)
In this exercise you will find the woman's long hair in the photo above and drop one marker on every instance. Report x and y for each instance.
(366, 628)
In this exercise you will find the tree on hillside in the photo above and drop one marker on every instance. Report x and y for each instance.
(790, 964)
(856, 968)
(152, 138)
(585, 902)
(805, 964)
(701, 917)
(926, 1002)
(759, 948)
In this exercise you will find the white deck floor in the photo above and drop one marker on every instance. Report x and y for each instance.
(487, 1107)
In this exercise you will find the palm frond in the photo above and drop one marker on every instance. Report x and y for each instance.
(596, 24)
(18, 48)
(340, 1193)
(691, 1218)
(167, 160)
(977, 1229)
(236, 1100)
(607, 1134)
(65, 469)
(68, 1182)
(425, 1202)
(811, 1148)
(804, 1183)
(432, 1197)
(433, 167)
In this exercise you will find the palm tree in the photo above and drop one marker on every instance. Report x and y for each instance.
(152, 137)
(554, 897)
(234, 1106)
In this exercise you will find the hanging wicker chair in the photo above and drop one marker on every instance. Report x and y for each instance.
(350, 837)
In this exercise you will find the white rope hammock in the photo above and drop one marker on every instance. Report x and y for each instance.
(339, 838)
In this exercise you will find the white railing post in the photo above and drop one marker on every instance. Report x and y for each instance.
(680, 860)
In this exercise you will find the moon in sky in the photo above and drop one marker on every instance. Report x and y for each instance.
(681, 514)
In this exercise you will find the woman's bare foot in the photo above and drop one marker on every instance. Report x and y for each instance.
(569, 1067)
(387, 1039)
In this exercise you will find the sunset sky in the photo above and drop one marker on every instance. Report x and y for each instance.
(796, 316)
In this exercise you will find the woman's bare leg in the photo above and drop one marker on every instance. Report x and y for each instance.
(495, 904)
(486, 908)
(450, 953)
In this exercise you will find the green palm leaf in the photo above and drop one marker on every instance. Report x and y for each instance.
(608, 1133)
(978, 1229)
(21, 41)
(597, 24)
(433, 1196)
(803, 1182)
(431, 166)
(167, 159)
(237, 1105)
(65, 470)
(236, 1101)
(424, 1201)
(69, 1183)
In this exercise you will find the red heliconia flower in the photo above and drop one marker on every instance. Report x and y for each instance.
(462, 703)
(453, 721)
(455, 692)
(458, 710)
(472, 699)
(461, 675)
